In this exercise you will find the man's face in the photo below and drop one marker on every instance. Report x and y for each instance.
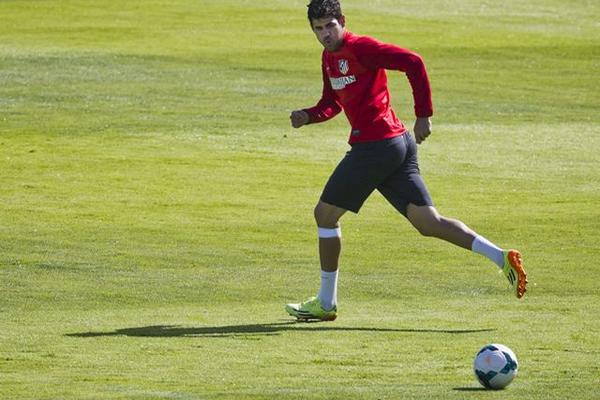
(329, 32)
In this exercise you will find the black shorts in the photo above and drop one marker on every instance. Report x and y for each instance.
(389, 166)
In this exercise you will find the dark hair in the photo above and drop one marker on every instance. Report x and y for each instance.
(324, 8)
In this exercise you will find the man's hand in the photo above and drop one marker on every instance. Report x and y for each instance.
(422, 129)
(299, 118)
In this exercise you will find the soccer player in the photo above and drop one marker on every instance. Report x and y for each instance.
(383, 153)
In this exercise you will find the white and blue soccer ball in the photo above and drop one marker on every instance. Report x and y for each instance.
(495, 366)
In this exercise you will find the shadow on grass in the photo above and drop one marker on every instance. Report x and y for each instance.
(472, 389)
(255, 329)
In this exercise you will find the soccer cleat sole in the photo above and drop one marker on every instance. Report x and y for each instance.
(306, 318)
(516, 261)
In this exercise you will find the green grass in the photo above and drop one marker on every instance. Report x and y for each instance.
(157, 208)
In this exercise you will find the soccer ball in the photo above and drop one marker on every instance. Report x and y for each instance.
(495, 366)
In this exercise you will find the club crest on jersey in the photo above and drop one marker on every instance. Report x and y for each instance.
(343, 66)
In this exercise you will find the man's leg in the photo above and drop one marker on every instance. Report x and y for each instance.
(330, 245)
(429, 222)
(323, 306)
(327, 217)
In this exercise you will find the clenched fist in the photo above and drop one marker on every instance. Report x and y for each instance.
(299, 118)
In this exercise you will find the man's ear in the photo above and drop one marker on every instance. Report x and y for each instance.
(343, 20)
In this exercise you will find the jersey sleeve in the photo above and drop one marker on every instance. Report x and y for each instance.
(328, 107)
(374, 55)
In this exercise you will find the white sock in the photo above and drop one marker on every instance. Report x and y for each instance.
(328, 292)
(486, 248)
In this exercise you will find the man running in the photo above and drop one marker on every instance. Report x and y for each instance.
(383, 153)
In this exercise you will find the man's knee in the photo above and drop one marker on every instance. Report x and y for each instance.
(426, 220)
(327, 215)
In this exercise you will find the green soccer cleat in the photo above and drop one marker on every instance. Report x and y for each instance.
(514, 272)
(311, 309)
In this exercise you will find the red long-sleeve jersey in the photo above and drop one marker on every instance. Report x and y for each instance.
(354, 79)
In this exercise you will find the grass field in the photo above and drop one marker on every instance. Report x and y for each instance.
(157, 207)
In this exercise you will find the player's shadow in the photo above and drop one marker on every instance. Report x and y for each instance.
(254, 329)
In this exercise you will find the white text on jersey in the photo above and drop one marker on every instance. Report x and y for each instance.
(341, 82)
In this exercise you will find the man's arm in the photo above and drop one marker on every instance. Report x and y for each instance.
(327, 108)
(374, 54)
